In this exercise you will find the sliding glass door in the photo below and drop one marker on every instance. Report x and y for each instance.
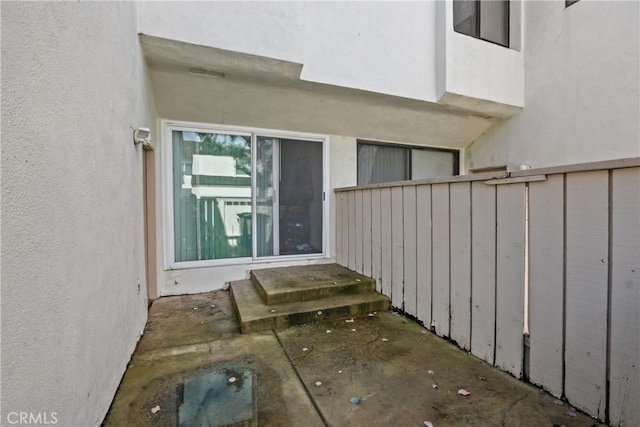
(244, 195)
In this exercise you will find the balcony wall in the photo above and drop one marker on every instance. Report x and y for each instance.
(401, 49)
(535, 272)
(478, 75)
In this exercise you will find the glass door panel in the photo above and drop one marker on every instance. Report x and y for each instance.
(211, 195)
(300, 197)
(289, 205)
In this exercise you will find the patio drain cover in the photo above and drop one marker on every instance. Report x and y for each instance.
(218, 398)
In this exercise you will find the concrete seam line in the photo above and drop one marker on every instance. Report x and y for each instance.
(295, 370)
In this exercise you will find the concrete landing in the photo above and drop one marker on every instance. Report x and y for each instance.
(287, 296)
(306, 376)
(292, 284)
(254, 315)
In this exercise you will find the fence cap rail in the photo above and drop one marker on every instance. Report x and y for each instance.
(503, 177)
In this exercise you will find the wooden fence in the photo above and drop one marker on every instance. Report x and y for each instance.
(478, 258)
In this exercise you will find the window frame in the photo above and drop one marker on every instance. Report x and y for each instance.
(410, 148)
(168, 229)
(478, 20)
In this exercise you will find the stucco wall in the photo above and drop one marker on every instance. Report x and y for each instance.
(582, 94)
(477, 74)
(74, 85)
(384, 47)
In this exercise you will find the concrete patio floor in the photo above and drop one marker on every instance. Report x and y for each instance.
(306, 375)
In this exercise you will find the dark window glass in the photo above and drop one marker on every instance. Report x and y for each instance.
(483, 19)
(378, 163)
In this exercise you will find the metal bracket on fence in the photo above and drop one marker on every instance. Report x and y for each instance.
(517, 179)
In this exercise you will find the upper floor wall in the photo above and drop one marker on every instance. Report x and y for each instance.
(402, 49)
(582, 88)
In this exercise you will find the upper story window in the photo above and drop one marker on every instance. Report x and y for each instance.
(483, 19)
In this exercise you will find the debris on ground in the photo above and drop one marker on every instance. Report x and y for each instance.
(328, 331)
(384, 340)
(340, 371)
(305, 349)
(371, 314)
(353, 330)
(318, 383)
(482, 378)
(355, 400)
(430, 372)
(272, 310)
(428, 424)
(320, 313)
(349, 320)
(155, 409)
(195, 308)
(434, 386)
(463, 392)
(231, 380)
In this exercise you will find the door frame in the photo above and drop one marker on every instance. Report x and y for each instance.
(168, 126)
(149, 208)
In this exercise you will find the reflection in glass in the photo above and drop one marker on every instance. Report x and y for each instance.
(265, 196)
(211, 195)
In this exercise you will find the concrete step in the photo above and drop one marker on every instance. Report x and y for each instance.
(310, 282)
(254, 315)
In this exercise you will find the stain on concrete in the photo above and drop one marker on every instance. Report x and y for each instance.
(389, 362)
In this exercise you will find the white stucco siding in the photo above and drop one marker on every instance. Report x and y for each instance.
(476, 74)
(582, 88)
(383, 47)
(74, 86)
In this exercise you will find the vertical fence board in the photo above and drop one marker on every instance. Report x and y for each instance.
(359, 232)
(410, 289)
(366, 233)
(385, 237)
(345, 228)
(461, 263)
(586, 293)
(352, 230)
(441, 279)
(625, 299)
(546, 281)
(339, 229)
(376, 243)
(423, 253)
(510, 278)
(483, 272)
(397, 242)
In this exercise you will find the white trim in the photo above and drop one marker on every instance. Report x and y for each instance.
(167, 126)
(326, 201)
(275, 205)
(254, 191)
